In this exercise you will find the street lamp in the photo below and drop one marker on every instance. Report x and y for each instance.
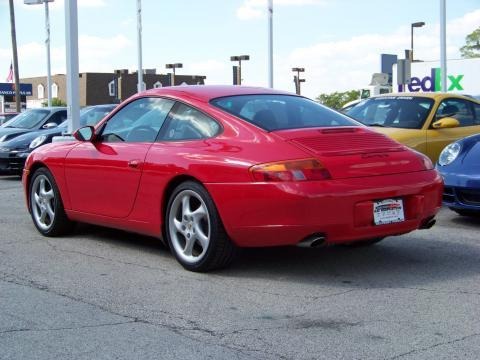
(414, 25)
(173, 67)
(239, 58)
(297, 79)
(47, 44)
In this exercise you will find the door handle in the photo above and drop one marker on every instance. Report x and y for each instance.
(134, 164)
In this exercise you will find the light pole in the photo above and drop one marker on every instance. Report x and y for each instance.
(443, 44)
(270, 43)
(297, 79)
(239, 58)
(173, 67)
(414, 25)
(47, 44)
(139, 46)
(15, 57)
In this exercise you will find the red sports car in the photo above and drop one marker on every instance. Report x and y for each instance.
(209, 169)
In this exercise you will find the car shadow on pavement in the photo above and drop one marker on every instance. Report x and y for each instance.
(395, 262)
(403, 261)
(120, 238)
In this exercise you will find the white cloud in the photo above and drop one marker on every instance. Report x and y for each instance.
(254, 9)
(217, 71)
(96, 54)
(348, 64)
(59, 4)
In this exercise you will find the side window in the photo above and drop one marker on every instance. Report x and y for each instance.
(477, 113)
(57, 117)
(138, 121)
(187, 123)
(457, 108)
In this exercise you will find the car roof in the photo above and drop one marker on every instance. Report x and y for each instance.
(207, 92)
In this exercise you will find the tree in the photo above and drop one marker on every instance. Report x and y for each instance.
(471, 49)
(337, 99)
(55, 102)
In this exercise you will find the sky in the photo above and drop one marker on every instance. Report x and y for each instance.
(338, 42)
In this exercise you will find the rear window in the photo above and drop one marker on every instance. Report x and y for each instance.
(280, 112)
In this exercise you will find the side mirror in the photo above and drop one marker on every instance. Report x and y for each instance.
(84, 134)
(49, 125)
(445, 123)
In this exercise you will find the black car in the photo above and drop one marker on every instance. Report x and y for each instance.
(31, 120)
(14, 152)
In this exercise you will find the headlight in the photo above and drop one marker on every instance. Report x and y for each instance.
(449, 154)
(39, 140)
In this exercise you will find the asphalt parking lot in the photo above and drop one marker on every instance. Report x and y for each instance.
(106, 294)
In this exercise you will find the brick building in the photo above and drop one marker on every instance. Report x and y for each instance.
(103, 88)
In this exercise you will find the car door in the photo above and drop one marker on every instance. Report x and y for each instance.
(460, 109)
(103, 175)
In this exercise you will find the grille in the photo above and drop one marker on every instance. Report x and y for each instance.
(469, 197)
(345, 142)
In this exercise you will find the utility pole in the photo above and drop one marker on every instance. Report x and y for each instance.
(15, 57)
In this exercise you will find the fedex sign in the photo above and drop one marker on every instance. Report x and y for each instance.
(432, 83)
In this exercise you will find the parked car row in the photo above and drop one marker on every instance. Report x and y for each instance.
(37, 127)
(209, 169)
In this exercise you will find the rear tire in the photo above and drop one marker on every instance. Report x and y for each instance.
(194, 230)
(46, 206)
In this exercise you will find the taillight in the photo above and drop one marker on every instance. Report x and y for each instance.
(294, 170)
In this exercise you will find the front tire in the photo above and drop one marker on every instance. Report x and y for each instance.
(194, 230)
(46, 207)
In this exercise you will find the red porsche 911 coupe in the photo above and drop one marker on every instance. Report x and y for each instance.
(208, 169)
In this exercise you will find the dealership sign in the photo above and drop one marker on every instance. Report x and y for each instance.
(433, 83)
(463, 76)
(9, 89)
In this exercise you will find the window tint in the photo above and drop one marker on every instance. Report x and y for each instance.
(187, 123)
(457, 108)
(277, 112)
(396, 111)
(139, 121)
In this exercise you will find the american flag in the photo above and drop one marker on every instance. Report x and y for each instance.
(10, 74)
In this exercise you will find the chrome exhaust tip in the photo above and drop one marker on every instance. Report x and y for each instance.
(312, 241)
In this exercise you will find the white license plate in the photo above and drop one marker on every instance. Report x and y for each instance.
(388, 211)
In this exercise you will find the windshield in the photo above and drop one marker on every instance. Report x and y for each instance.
(405, 112)
(92, 115)
(29, 119)
(279, 112)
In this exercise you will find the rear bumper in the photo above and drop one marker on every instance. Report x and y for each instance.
(267, 214)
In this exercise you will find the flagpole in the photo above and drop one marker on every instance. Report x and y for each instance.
(47, 44)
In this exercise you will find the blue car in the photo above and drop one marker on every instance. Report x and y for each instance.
(459, 164)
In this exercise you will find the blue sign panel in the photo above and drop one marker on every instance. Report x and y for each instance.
(9, 89)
